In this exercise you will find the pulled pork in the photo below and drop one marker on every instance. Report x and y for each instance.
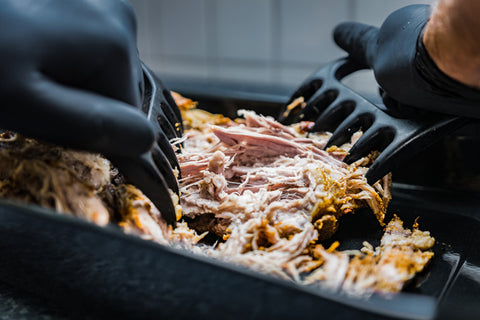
(267, 193)
(259, 170)
(401, 255)
(271, 193)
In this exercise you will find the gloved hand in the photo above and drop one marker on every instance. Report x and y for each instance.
(70, 74)
(402, 66)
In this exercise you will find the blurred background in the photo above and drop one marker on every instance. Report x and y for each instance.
(269, 42)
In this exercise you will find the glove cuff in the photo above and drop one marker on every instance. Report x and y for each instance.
(441, 84)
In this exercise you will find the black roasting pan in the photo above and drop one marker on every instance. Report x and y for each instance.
(102, 272)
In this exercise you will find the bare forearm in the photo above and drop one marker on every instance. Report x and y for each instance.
(452, 39)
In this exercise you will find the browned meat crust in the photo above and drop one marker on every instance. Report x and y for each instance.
(66, 181)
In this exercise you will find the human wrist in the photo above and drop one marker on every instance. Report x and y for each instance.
(451, 42)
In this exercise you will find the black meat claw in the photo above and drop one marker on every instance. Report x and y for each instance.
(153, 172)
(335, 107)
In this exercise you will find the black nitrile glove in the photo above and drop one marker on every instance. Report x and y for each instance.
(70, 74)
(402, 66)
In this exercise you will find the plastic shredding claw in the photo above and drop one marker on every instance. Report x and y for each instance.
(153, 172)
(335, 107)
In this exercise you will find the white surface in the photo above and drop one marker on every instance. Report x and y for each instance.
(264, 41)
